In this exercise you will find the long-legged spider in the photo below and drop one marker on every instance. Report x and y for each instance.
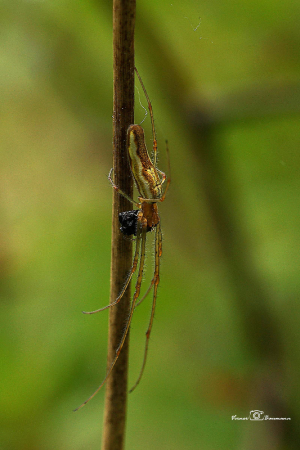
(149, 180)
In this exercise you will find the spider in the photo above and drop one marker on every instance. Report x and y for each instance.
(149, 180)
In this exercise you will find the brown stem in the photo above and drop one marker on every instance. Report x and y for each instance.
(121, 259)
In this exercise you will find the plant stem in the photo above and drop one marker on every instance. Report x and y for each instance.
(121, 255)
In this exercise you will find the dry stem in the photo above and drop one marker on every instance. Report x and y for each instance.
(121, 259)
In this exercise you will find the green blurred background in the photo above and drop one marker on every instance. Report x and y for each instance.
(223, 78)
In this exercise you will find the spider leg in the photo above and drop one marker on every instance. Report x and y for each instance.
(158, 253)
(163, 175)
(116, 188)
(153, 279)
(169, 172)
(132, 270)
(151, 115)
(162, 198)
(146, 294)
(143, 232)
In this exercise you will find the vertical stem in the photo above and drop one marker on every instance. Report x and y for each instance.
(121, 256)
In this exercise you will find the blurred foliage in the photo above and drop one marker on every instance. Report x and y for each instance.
(227, 72)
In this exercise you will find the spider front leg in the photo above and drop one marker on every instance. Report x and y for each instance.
(142, 232)
(117, 189)
(164, 178)
(164, 175)
(155, 281)
(151, 116)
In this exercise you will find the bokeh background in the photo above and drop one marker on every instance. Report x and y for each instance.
(224, 82)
